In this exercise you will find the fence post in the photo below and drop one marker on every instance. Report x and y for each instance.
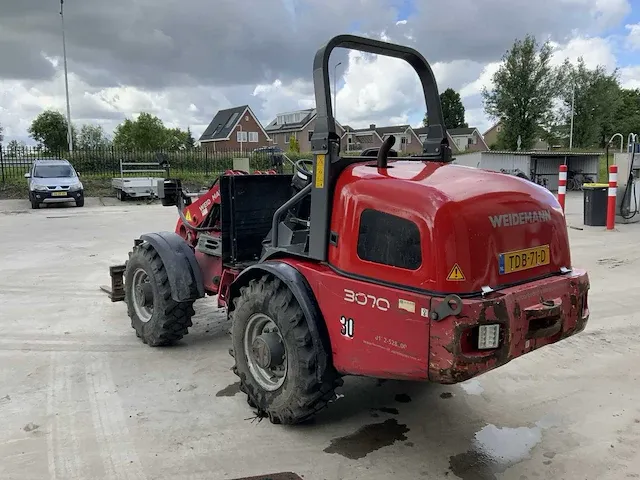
(2, 164)
(611, 199)
(562, 185)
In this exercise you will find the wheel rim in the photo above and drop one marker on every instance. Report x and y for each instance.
(142, 295)
(265, 352)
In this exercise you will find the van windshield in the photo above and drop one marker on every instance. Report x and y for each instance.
(53, 171)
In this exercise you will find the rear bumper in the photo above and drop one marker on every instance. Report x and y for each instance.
(530, 316)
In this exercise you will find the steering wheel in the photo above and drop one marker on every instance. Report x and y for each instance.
(300, 167)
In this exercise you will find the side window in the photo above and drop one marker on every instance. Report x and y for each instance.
(389, 240)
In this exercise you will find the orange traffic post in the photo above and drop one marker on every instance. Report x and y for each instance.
(562, 185)
(611, 200)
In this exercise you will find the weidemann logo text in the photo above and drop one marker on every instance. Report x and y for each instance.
(522, 218)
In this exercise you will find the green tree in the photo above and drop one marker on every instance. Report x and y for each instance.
(147, 132)
(627, 119)
(294, 146)
(16, 149)
(597, 99)
(452, 109)
(191, 142)
(92, 137)
(49, 129)
(176, 139)
(523, 91)
(1, 135)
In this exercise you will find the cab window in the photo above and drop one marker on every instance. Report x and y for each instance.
(389, 240)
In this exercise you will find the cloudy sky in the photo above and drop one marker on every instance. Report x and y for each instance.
(184, 60)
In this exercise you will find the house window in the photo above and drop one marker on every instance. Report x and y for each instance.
(499, 128)
(241, 136)
(389, 240)
(253, 137)
(310, 134)
(287, 136)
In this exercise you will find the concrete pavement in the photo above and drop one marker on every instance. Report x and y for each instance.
(82, 398)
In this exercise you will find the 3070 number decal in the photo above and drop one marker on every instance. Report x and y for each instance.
(366, 299)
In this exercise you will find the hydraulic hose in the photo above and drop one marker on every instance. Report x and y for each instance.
(630, 185)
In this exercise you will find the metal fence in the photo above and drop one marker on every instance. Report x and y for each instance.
(106, 162)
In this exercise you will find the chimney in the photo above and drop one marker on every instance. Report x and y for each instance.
(372, 126)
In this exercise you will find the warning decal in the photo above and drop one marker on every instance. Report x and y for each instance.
(319, 171)
(456, 275)
(188, 216)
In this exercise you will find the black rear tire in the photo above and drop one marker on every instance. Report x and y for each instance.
(170, 320)
(304, 391)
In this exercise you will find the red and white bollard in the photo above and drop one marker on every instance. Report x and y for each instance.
(562, 185)
(611, 200)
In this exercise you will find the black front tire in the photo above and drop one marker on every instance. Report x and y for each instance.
(80, 202)
(170, 320)
(305, 391)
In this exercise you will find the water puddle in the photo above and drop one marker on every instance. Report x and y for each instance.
(229, 391)
(368, 439)
(273, 476)
(494, 449)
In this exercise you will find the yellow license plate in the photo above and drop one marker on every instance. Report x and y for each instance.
(518, 260)
(59, 194)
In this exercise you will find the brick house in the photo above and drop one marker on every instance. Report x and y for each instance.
(356, 140)
(421, 132)
(299, 124)
(468, 139)
(491, 138)
(235, 129)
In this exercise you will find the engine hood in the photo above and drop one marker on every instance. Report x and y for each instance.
(478, 228)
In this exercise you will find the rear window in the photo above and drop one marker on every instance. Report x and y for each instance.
(389, 240)
(53, 171)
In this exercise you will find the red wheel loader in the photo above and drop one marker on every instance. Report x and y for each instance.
(391, 267)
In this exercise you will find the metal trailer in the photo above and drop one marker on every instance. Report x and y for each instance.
(140, 187)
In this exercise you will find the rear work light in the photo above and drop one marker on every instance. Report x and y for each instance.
(488, 336)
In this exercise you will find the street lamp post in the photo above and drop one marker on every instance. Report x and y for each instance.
(66, 79)
(335, 91)
(573, 102)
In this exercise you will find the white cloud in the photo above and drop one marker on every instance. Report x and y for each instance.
(276, 98)
(373, 89)
(633, 38)
(484, 80)
(630, 77)
(176, 107)
(594, 51)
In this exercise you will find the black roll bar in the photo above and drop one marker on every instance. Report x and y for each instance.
(436, 144)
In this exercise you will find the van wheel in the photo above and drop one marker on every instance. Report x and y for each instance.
(34, 203)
